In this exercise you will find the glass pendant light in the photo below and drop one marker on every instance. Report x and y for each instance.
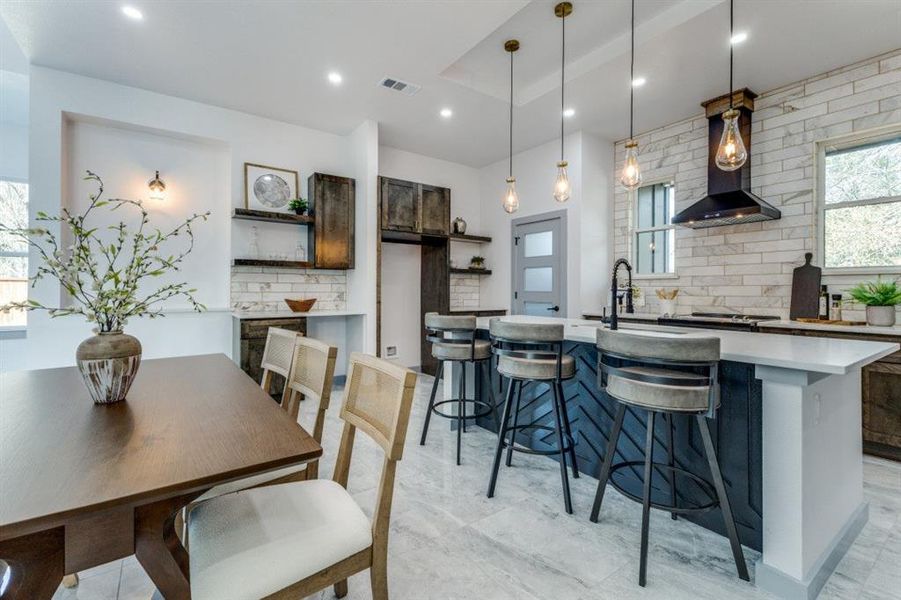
(562, 189)
(630, 178)
(511, 198)
(731, 154)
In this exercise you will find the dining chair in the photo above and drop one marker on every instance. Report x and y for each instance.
(294, 539)
(277, 355)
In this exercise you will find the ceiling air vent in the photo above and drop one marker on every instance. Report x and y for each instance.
(404, 87)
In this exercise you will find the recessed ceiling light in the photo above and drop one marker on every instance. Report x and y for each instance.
(639, 81)
(446, 113)
(569, 112)
(739, 37)
(335, 78)
(132, 13)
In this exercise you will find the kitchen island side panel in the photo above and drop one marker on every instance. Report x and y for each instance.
(737, 433)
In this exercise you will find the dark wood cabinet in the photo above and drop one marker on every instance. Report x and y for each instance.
(414, 207)
(880, 393)
(249, 341)
(332, 235)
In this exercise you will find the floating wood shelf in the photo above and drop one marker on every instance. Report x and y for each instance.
(471, 271)
(261, 262)
(271, 217)
(410, 237)
(465, 237)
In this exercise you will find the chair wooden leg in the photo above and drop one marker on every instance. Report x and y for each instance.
(608, 461)
(70, 581)
(378, 578)
(646, 500)
(341, 588)
(501, 433)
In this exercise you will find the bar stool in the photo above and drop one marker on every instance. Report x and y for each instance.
(652, 374)
(453, 340)
(532, 353)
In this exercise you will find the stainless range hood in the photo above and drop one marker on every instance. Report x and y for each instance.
(729, 200)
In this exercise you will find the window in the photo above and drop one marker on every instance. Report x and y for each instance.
(654, 231)
(13, 251)
(861, 206)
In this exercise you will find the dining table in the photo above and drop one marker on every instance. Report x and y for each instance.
(83, 484)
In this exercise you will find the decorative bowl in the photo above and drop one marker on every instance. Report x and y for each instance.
(300, 305)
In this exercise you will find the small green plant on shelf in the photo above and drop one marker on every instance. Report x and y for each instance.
(877, 293)
(477, 262)
(299, 206)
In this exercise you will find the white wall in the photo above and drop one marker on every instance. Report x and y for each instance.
(55, 94)
(589, 218)
(401, 263)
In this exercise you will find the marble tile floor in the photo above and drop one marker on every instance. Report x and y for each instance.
(449, 541)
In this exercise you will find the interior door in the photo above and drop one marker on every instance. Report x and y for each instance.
(539, 275)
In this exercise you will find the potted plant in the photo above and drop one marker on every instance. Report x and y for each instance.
(880, 298)
(299, 206)
(477, 262)
(102, 269)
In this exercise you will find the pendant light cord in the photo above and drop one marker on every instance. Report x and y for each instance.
(632, 78)
(511, 114)
(562, 79)
(731, 10)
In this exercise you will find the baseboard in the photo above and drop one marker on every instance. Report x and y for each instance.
(785, 586)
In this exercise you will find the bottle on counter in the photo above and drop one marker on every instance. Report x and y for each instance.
(824, 303)
(835, 307)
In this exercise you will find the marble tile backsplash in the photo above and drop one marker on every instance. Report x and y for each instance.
(464, 290)
(265, 288)
(748, 268)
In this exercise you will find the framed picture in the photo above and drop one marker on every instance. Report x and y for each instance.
(269, 188)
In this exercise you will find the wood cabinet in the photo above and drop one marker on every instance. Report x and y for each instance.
(880, 393)
(332, 235)
(249, 341)
(414, 207)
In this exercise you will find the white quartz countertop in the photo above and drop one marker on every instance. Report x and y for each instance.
(467, 309)
(815, 354)
(287, 314)
(867, 329)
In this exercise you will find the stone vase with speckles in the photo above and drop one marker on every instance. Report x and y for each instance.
(108, 362)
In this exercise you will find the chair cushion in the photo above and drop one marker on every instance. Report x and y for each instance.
(249, 482)
(256, 542)
(533, 368)
(657, 396)
(461, 351)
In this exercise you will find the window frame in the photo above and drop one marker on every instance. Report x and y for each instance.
(847, 142)
(633, 243)
(12, 330)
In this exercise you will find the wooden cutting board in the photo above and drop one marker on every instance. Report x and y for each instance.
(806, 290)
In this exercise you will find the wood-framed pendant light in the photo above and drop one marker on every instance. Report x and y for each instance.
(511, 198)
(562, 188)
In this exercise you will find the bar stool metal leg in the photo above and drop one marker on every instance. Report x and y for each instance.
(672, 462)
(439, 373)
(486, 366)
(567, 428)
(737, 554)
(514, 429)
(461, 410)
(646, 500)
(501, 433)
(558, 427)
(608, 461)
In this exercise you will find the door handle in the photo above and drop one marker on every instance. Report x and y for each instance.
(554, 308)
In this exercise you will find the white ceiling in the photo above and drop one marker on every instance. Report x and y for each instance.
(271, 59)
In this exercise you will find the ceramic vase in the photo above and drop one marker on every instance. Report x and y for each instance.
(108, 363)
(881, 316)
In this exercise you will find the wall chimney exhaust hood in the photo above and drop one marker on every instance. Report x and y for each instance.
(729, 200)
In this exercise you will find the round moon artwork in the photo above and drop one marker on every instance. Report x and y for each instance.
(272, 191)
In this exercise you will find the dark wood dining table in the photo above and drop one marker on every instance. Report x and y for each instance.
(84, 484)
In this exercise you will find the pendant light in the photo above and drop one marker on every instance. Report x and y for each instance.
(631, 174)
(562, 188)
(731, 154)
(511, 198)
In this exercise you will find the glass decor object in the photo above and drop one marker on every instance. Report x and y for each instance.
(731, 154)
(511, 198)
(631, 174)
(562, 189)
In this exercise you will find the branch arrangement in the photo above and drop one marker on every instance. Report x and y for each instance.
(102, 278)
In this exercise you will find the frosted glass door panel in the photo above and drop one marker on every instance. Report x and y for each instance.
(538, 309)
(538, 279)
(539, 244)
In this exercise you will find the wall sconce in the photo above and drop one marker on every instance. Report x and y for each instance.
(157, 188)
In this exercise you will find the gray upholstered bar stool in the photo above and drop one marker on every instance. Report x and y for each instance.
(453, 340)
(659, 375)
(529, 354)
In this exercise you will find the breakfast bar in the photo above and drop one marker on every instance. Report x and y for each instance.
(788, 436)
